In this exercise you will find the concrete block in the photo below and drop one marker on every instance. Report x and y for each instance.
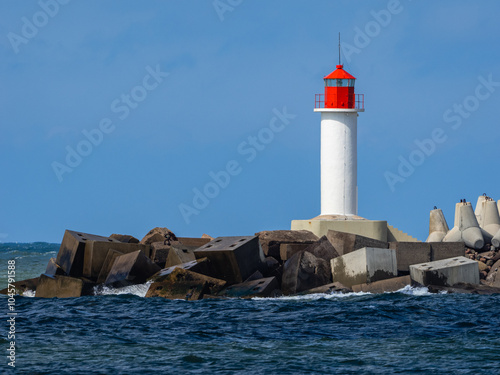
(408, 253)
(72, 251)
(446, 272)
(233, 259)
(328, 289)
(304, 271)
(365, 265)
(272, 240)
(131, 268)
(96, 252)
(267, 287)
(159, 253)
(53, 268)
(287, 250)
(201, 266)
(107, 265)
(445, 250)
(257, 275)
(59, 286)
(124, 238)
(382, 286)
(193, 241)
(22, 286)
(186, 285)
(345, 243)
(323, 249)
(179, 254)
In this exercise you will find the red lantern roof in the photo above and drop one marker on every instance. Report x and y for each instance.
(339, 73)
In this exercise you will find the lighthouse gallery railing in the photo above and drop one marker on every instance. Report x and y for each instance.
(359, 101)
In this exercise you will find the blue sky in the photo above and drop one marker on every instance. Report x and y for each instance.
(169, 92)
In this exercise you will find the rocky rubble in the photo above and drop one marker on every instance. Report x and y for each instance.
(269, 264)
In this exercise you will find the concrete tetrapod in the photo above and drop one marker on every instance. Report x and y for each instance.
(466, 227)
(438, 227)
(495, 241)
(479, 207)
(490, 219)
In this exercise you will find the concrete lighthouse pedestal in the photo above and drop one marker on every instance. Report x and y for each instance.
(320, 225)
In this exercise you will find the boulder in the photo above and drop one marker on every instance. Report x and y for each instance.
(464, 288)
(61, 287)
(273, 268)
(267, 287)
(383, 286)
(186, 285)
(345, 243)
(107, 265)
(446, 272)
(233, 259)
(131, 268)
(158, 234)
(125, 238)
(493, 278)
(365, 265)
(304, 271)
(72, 251)
(272, 240)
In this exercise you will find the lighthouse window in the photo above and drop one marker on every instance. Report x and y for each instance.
(339, 82)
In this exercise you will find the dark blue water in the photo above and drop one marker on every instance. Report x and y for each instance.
(407, 332)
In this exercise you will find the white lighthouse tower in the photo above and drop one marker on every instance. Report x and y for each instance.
(339, 107)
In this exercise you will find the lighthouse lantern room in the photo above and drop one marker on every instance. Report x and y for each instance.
(339, 89)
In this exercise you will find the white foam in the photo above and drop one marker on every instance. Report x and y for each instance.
(32, 255)
(139, 290)
(414, 291)
(28, 293)
(312, 297)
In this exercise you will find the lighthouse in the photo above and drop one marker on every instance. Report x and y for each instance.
(339, 107)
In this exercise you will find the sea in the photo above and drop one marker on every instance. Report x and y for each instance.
(118, 331)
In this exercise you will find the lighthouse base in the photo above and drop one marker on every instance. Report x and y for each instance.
(376, 229)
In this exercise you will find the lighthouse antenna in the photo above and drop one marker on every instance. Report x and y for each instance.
(339, 50)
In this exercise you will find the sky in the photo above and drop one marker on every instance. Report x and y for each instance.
(121, 116)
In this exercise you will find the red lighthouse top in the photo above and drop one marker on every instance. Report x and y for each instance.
(339, 73)
(339, 91)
